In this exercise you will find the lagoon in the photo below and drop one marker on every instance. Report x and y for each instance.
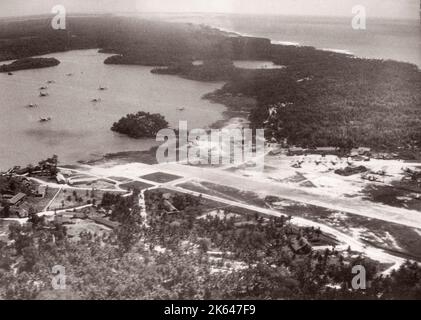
(80, 128)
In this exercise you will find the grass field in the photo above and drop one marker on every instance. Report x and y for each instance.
(392, 196)
(224, 192)
(160, 177)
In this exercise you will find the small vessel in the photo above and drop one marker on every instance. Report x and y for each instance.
(102, 88)
(96, 100)
(181, 109)
(32, 105)
(43, 88)
(69, 74)
(50, 81)
(43, 94)
(45, 119)
(10, 73)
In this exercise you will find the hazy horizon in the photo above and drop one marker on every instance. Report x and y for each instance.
(404, 9)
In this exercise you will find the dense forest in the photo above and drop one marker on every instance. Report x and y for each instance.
(338, 101)
(166, 256)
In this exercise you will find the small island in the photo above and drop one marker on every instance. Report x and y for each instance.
(29, 63)
(140, 125)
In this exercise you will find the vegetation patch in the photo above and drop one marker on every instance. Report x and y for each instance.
(69, 198)
(29, 63)
(140, 125)
(147, 157)
(225, 192)
(392, 196)
(135, 185)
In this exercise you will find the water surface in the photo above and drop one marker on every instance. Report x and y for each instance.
(382, 39)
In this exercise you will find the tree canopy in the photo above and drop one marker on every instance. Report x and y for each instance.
(140, 125)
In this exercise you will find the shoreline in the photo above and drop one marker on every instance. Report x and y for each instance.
(232, 110)
(286, 43)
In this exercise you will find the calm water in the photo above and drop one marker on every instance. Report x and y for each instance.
(79, 128)
(383, 39)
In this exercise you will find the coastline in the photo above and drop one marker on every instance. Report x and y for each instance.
(232, 104)
(345, 51)
(55, 136)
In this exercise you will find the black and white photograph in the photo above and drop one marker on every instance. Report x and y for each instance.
(210, 150)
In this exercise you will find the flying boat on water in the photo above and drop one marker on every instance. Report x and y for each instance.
(45, 119)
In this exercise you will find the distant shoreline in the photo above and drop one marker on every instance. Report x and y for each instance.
(295, 43)
(320, 98)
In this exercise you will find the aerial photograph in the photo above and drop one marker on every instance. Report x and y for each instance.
(210, 150)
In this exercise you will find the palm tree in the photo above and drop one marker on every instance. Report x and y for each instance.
(54, 162)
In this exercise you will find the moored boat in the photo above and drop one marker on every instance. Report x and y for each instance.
(45, 119)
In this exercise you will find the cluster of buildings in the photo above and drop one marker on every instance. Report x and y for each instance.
(10, 202)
